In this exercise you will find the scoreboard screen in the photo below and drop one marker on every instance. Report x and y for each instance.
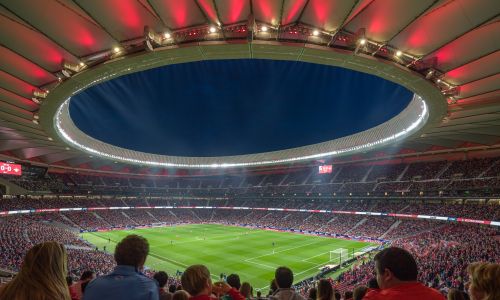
(325, 169)
(12, 169)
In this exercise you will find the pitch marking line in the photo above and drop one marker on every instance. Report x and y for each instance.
(280, 251)
(307, 259)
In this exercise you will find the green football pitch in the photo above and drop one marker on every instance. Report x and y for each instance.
(228, 249)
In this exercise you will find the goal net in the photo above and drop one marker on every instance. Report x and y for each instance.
(339, 255)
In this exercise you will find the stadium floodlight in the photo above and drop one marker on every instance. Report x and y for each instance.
(40, 94)
(399, 53)
(153, 39)
(70, 68)
(315, 32)
(213, 29)
(264, 28)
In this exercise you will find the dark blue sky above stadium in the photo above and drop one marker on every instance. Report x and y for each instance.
(232, 107)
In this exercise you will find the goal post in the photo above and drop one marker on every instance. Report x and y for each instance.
(339, 255)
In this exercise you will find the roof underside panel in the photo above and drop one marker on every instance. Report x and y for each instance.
(483, 67)
(484, 85)
(379, 21)
(292, 10)
(14, 99)
(23, 68)
(459, 51)
(266, 11)
(36, 37)
(180, 13)
(15, 85)
(32, 45)
(122, 19)
(64, 26)
(326, 14)
(444, 23)
(233, 11)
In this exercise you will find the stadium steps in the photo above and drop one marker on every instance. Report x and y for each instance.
(441, 172)
(127, 216)
(489, 168)
(336, 175)
(284, 178)
(172, 213)
(101, 218)
(69, 220)
(329, 221)
(357, 225)
(400, 177)
(152, 216)
(393, 226)
(195, 215)
(66, 227)
(12, 188)
(367, 174)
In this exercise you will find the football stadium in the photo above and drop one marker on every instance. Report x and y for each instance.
(250, 149)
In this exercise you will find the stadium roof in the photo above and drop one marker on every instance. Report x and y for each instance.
(451, 45)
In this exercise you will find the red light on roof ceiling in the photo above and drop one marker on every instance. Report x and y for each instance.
(235, 10)
(294, 11)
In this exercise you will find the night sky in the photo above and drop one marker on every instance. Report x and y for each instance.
(231, 107)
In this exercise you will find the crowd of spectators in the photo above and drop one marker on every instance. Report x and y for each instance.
(434, 178)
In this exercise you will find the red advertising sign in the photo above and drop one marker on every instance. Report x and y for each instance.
(325, 169)
(13, 169)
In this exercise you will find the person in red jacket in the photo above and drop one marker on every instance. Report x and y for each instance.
(397, 272)
(196, 281)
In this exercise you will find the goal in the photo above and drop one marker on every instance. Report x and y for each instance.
(339, 255)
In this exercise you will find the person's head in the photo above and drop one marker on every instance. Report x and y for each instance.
(283, 277)
(87, 275)
(325, 290)
(359, 292)
(246, 290)
(161, 277)
(180, 295)
(373, 284)
(42, 275)
(273, 286)
(132, 251)
(337, 296)
(259, 294)
(394, 266)
(84, 286)
(454, 294)
(484, 281)
(347, 295)
(311, 294)
(172, 288)
(234, 281)
(196, 280)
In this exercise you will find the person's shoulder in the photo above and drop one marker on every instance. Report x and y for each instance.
(433, 294)
(373, 294)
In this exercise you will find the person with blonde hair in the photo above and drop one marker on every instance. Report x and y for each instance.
(484, 281)
(42, 275)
